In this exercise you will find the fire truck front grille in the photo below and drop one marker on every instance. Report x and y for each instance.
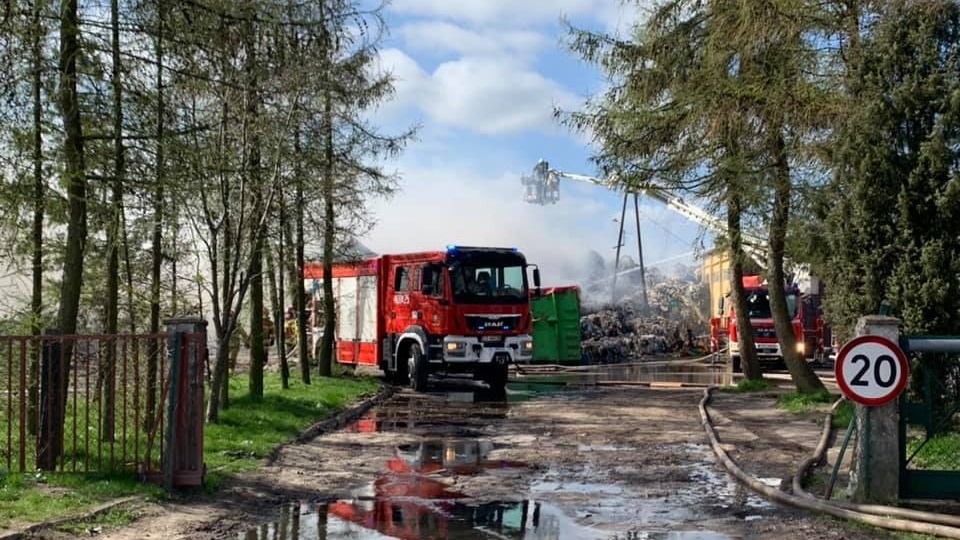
(481, 323)
(764, 332)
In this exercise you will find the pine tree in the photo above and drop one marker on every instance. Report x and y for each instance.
(893, 230)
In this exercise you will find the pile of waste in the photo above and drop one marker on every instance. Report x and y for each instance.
(673, 321)
(616, 333)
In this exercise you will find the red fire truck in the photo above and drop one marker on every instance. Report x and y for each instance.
(805, 319)
(464, 310)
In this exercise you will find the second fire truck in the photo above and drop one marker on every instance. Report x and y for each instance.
(805, 320)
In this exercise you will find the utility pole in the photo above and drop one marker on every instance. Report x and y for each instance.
(643, 272)
(616, 260)
(620, 243)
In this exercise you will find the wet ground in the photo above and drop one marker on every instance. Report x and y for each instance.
(612, 452)
(558, 455)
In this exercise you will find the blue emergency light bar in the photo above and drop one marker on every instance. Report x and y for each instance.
(454, 249)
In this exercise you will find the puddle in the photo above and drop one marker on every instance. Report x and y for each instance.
(601, 448)
(416, 519)
(694, 373)
(721, 490)
(413, 499)
(680, 535)
(416, 497)
(708, 492)
(451, 411)
(410, 502)
(460, 456)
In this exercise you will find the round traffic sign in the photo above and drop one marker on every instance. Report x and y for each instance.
(871, 370)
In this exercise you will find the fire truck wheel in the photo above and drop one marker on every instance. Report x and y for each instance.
(417, 367)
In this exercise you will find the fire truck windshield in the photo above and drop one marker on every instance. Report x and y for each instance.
(758, 305)
(488, 284)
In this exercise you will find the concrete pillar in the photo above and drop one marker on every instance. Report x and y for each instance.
(875, 477)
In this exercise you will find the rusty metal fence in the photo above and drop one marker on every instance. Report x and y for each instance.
(94, 403)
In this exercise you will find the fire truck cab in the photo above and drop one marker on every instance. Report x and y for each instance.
(464, 310)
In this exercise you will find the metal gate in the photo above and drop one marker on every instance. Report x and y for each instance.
(930, 419)
(98, 404)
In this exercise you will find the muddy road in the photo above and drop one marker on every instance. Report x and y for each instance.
(552, 458)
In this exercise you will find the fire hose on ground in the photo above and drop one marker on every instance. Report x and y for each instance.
(886, 517)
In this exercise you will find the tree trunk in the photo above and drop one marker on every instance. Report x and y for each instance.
(805, 380)
(113, 228)
(225, 316)
(278, 301)
(128, 271)
(748, 351)
(258, 348)
(299, 298)
(329, 227)
(39, 191)
(74, 177)
(74, 169)
(156, 249)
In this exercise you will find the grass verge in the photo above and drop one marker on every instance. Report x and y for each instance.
(247, 432)
(803, 403)
(748, 385)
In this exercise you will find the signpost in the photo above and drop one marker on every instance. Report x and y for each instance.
(871, 370)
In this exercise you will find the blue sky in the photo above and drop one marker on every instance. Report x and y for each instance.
(482, 78)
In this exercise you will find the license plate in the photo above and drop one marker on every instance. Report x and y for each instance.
(490, 338)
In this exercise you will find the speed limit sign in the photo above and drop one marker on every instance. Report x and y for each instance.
(871, 370)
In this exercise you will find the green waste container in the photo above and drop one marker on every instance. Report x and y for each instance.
(556, 325)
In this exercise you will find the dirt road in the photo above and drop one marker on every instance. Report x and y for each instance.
(543, 462)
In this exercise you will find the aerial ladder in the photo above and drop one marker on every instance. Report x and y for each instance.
(543, 187)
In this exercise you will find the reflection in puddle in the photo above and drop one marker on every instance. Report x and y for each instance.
(449, 415)
(411, 501)
(421, 519)
(461, 456)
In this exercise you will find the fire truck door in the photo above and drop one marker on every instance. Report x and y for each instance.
(399, 310)
(429, 298)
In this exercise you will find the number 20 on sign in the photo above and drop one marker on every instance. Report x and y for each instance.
(871, 370)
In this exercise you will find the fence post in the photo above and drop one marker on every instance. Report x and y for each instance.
(183, 445)
(875, 477)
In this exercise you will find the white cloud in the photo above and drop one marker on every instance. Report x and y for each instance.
(409, 82)
(508, 12)
(490, 96)
(494, 96)
(441, 37)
